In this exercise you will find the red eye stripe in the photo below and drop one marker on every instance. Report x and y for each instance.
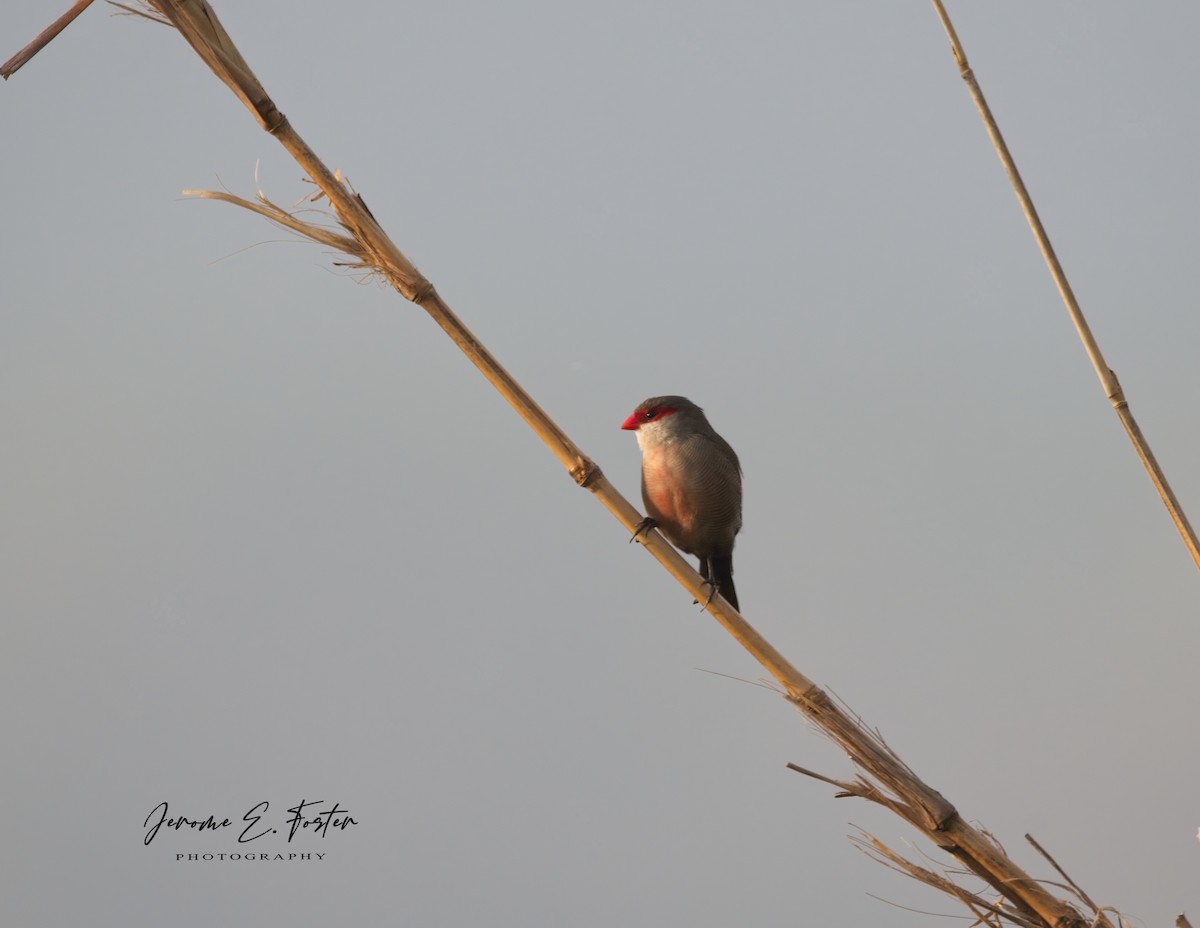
(640, 417)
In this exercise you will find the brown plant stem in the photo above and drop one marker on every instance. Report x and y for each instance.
(1108, 379)
(43, 38)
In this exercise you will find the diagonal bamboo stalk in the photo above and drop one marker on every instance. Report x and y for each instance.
(883, 777)
(1108, 379)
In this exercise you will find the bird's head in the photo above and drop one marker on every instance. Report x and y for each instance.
(660, 416)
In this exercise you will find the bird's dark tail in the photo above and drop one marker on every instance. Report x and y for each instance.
(720, 574)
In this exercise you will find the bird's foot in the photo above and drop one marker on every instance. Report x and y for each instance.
(644, 526)
(713, 589)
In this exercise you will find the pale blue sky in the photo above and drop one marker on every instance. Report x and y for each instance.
(267, 536)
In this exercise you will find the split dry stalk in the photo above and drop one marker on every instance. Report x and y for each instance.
(1108, 379)
(882, 777)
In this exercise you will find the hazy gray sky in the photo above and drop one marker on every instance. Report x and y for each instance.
(268, 537)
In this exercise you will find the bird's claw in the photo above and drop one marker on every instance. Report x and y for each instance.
(644, 526)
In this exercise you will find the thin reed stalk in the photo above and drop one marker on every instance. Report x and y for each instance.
(42, 39)
(1108, 379)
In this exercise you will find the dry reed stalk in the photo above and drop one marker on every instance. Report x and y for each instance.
(1108, 379)
(43, 38)
(882, 776)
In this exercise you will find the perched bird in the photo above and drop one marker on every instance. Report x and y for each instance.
(691, 485)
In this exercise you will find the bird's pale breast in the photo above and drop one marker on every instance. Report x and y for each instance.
(667, 497)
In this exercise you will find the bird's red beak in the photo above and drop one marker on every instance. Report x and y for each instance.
(631, 424)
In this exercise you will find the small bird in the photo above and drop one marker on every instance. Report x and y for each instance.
(691, 485)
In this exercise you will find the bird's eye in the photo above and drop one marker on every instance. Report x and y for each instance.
(649, 414)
